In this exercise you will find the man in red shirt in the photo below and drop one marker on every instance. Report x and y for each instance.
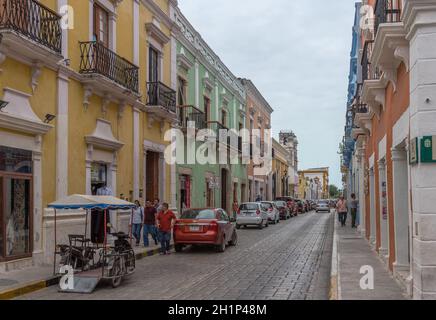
(165, 222)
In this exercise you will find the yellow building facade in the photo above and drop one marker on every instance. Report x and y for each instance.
(87, 93)
(281, 179)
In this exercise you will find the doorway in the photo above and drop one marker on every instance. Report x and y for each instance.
(224, 201)
(16, 203)
(185, 192)
(152, 175)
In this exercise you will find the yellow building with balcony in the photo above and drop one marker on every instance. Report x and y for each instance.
(87, 91)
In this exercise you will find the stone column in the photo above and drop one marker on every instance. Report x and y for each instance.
(401, 208)
(420, 20)
(37, 205)
(136, 153)
(372, 197)
(384, 240)
(361, 193)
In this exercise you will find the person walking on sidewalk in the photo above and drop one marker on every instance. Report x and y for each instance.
(353, 206)
(165, 223)
(341, 207)
(136, 221)
(150, 223)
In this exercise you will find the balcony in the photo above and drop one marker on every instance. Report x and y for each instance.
(96, 59)
(368, 72)
(30, 30)
(161, 102)
(192, 114)
(387, 11)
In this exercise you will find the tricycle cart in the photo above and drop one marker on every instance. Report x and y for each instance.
(92, 262)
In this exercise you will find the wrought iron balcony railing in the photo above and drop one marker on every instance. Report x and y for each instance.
(161, 95)
(32, 20)
(96, 58)
(192, 114)
(361, 108)
(387, 11)
(369, 73)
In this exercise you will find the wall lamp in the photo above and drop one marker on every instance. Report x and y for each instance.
(3, 104)
(49, 118)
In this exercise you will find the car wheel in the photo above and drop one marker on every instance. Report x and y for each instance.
(178, 247)
(261, 225)
(222, 246)
(238, 226)
(234, 240)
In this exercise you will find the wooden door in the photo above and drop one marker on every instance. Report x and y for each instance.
(152, 176)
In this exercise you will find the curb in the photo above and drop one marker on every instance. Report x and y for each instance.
(33, 286)
(334, 273)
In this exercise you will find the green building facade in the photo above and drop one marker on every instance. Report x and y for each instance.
(209, 94)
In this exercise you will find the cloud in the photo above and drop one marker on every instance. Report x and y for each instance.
(297, 54)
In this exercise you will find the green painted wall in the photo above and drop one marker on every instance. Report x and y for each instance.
(198, 184)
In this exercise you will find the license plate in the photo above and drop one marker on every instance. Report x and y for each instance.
(194, 228)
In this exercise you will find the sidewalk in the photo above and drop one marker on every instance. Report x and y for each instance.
(351, 251)
(19, 282)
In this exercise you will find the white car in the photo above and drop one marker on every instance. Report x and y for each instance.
(323, 206)
(273, 212)
(252, 214)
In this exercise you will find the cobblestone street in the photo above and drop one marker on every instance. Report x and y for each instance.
(290, 260)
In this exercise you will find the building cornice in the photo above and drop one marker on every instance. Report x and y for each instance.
(418, 13)
(255, 93)
(201, 48)
(159, 13)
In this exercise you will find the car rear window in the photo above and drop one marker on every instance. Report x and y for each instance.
(248, 206)
(280, 204)
(266, 205)
(323, 202)
(205, 214)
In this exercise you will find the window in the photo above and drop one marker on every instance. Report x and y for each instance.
(207, 108)
(98, 176)
(224, 118)
(153, 65)
(101, 25)
(16, 182)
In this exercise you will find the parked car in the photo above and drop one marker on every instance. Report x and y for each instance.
(284, 211)
(273, 212)
(300, 206)
(252, 214)
(323, 206)
(308, 206)
(204, 227)
(291, 203)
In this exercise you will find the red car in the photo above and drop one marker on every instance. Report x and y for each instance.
(205, 227)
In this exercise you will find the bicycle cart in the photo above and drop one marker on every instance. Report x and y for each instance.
(93, 262)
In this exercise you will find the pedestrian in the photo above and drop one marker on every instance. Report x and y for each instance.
(136, 221)
(258, 198)
(150, 213)
(353, 206)
(235, 209)
(165, 223)
(157, 205)
(342, 210)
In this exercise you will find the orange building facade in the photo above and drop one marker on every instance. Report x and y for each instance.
(393, 113)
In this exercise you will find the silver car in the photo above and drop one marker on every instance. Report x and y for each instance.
(252, 214)
(273, 212)
(323, 206)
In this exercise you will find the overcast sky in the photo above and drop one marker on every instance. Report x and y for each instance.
(297, 54)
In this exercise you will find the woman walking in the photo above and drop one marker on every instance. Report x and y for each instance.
(342, 209)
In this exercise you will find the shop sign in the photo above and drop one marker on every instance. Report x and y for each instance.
(428, 153)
